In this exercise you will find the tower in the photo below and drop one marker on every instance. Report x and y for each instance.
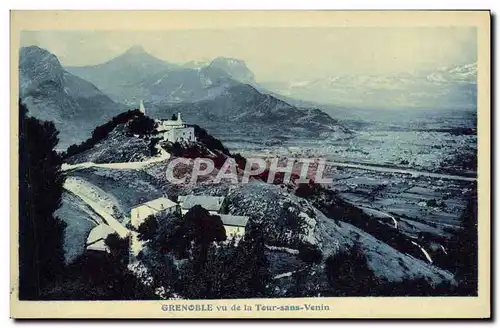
(141, 108)
(179, 117)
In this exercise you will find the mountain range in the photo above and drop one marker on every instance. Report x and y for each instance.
(218, 94)
(137, 75)
(444, 88)
(222, 94)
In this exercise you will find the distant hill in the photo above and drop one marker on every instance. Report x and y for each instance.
(244, 108)
(52, 93)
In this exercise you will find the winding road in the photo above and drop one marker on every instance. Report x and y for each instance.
(372, 211)
(123, 165)
(91, 196)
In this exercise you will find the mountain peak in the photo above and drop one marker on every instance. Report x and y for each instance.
(37, 64)
(237, 68)
(135, 50)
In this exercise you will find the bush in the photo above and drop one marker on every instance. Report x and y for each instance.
(209, 141)
(306, 190)
(349, 274)
(152, 146)
(103, 131)
(310, 254)
(227, 271)
(141, 125)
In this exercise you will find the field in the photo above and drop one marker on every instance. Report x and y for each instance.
(425, 165)
(422, 141)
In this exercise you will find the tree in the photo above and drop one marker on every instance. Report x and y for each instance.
(99, 276)
(158, 232)
(153, 151)
(147, 230)
(251, 275)
(119, 249)
(183, 255)
(465, 249)
(310, 254)
(203, 228)
(41, 254)
(141, 125)
(227, 271)
(349, 274)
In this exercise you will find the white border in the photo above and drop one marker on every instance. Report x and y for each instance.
(190, 4)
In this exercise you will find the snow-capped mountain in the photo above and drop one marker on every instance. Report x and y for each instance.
(51, 93)
(453, 87)
(458, 74)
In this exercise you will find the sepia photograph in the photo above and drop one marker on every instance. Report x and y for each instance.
(250, 168)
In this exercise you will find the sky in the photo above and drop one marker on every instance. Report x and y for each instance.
(278, 54)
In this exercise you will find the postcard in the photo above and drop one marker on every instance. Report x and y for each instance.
(250, 164)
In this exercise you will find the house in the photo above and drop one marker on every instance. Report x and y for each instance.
(172, 130)
(97, 237)
(211, 203)
(176, 130)
(234, 225)
(139, 213)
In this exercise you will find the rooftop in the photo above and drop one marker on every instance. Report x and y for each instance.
(234, 220)
(99, 233)
(156, 204)
(210, 203)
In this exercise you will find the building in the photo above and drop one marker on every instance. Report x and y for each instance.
(176, 130)
(141, 108)
(211, 203)
(139, 214)
(97, 237)
(234, 225)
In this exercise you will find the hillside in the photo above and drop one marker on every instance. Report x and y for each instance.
(131, 137)
(290, 221)
(52, 93)
(244, 108)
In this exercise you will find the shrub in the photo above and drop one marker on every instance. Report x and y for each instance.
(310, 254)
(141, 125)
(209, 141)
(103, 131)
(349, 274)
